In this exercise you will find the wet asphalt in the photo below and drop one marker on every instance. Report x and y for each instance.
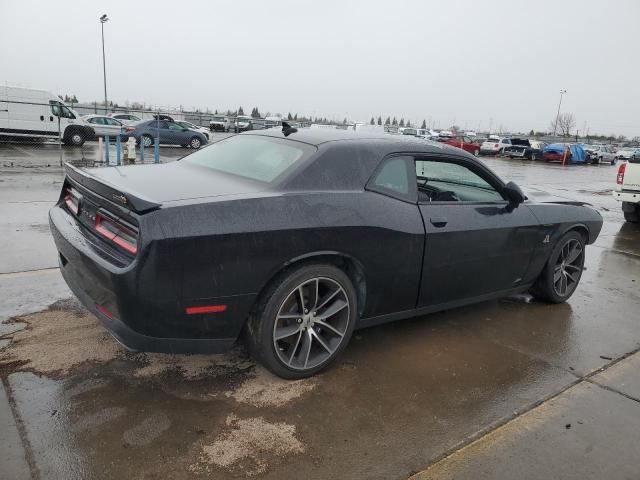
(485, 391)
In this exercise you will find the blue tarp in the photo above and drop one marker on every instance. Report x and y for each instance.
(578, 154)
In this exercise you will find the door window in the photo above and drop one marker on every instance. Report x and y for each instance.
(175, 126)
(97, 120)
(442, 181)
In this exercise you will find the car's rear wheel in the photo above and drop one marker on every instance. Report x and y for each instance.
(195, 143)
(147, 141)
(303, 321)
(631, 212)
(563, 270)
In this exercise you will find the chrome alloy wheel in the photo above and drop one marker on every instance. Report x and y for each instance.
(311, 323)
(568, 268)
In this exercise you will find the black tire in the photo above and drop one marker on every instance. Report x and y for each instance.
(195, 142)
(147, 140)
(632, 216)
(260, 332)
(613, 162)
(74, 138)
(548, 286)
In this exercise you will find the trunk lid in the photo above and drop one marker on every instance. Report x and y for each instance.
(142, 188)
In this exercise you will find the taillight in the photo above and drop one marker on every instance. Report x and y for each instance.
(71, 201)
(621, 169)
(123, 236)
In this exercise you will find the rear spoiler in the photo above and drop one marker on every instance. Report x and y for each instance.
(133, 202)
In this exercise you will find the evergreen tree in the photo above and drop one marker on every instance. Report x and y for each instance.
(402, 122)
(379, 120)
(424, 124)
(394, 122)
(289, 117)
(408, 123)
(240, 111)
(387, 121)
(295, 117)
(344, 122)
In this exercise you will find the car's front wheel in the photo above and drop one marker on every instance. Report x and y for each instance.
(303, 321)
(195, 143)
(563, 270)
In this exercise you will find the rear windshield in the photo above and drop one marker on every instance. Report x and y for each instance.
(251, 156)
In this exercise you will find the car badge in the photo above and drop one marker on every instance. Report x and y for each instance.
(546, 239)
(120, 198)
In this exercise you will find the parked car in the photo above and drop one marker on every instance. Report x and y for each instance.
(105, 126)
(525, 149)
(494, 146)
(272, 233)
(409, 131)
(626, 153)
(145, 131)
(242, 123)
(34, 114)
(627, 189)
(125, 118)
(601, 153)
(191, 126)
(462, 141)
(567, 152)
(220, 123)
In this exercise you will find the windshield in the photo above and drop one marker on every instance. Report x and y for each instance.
(253, 157)
(218, 119)
(409, 131)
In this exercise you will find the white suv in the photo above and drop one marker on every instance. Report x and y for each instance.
(494, 146)
(627, 189)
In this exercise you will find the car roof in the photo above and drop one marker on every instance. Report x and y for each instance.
(320, 136)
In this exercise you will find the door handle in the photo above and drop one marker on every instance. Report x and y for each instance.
(42, 118)
(438, 222)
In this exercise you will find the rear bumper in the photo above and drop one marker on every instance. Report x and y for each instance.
(140, 321)
(138, 342)
(630, 197)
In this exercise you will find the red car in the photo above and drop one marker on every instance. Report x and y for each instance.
(463, 142)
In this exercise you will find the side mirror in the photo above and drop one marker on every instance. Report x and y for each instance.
(514, 194)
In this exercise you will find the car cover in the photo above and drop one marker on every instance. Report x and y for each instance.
(578, 154)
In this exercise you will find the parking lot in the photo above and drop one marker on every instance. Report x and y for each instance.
(451, 395)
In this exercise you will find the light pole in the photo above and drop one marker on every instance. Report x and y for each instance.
(104, 19)
(555, 125)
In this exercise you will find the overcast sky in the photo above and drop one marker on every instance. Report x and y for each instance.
(470, 62)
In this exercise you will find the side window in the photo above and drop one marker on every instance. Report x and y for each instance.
(443, 181)
(97, 120)
(164, 124)
(393, 176)
(175, 126)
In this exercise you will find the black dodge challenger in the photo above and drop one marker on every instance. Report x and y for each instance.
(297, 237)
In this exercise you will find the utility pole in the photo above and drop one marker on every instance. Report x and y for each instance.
(555, 125)
(104, 19)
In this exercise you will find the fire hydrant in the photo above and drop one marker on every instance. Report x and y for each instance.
(130, 151)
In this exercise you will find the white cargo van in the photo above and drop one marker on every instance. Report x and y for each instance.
(29, 113)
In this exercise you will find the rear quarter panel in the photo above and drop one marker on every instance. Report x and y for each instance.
(236, 247)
